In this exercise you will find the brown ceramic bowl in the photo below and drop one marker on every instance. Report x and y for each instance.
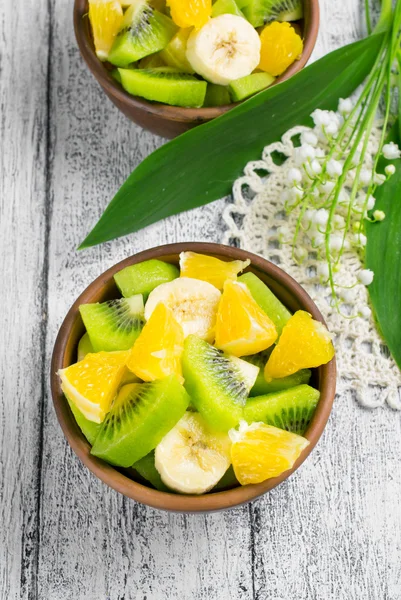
(123, 480)
(170, 121)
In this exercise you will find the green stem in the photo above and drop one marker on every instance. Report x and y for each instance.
(385, 19)
(368, 19)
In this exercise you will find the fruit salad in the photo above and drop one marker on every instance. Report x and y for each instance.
(198, 377)
(195, 53)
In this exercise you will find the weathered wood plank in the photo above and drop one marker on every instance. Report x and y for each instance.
(95, 543)
(23, 294)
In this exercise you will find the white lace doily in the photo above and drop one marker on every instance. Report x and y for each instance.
(254, 219)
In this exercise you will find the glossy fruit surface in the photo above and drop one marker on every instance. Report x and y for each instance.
(190, 13)
(281, 46)
(92, 383)
(261, 451)
(304, 343)
(106, 17)
(210, 269)
(242, 327)
(158, 349)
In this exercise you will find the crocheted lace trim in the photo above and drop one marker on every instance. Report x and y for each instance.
(254, 219)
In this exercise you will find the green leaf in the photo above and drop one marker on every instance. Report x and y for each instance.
(201, 165)
(383, 256)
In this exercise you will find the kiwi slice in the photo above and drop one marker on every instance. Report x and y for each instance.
(115, 324)
(275, 385)
(216, 383)
(164, 84)
(144, 31)
(144, 277)
(84, 347)
(289, 409)
(259, 12)
(266, 300)
(217, 95)
(174, 54)
(226, 7)
(150, 62)
(146, 469)
(227, 482)
(88, 428)
(140, 417)
(243, 88)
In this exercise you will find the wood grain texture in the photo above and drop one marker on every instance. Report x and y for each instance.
(23, 295)
(333, 531)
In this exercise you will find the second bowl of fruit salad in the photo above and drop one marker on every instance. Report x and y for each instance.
(193, 377)
(172, 64)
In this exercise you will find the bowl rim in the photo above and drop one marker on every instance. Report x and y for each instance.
(117, 479)
(175, 113)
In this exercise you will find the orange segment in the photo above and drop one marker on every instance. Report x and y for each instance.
(261, 451)
(209, 268)
(304, 343)
(158, 349)
(281, 46)
(106, 17)
(242, 327)
(190, 13)
(92, 383)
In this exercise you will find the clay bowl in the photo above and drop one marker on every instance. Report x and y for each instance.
(170, 121)
(126, 481)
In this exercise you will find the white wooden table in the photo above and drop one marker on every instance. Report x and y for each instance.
(332, 532)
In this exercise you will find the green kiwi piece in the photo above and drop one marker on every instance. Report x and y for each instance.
(164, 84)
(259, 12)
(144, 31)
(276, 385)
(266, 300)
(115, 324)
(116, 75)
(140, 417)
(227, 482)
(226, 7)
(289, 409)
(84, 347)
(144, 277)
(216, 95)
(88, 428)
(243, 88)
(216, 382)
(174, 54)
(146, 469)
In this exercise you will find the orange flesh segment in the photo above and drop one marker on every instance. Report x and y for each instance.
(190, 13)
(106, 17)
(242, 327)
(280, 47)
(263, 452)
(157, 351)
(304, 343)
(210, 269)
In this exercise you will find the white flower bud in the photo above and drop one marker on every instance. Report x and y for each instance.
(379, 178)
(389, 170)
(321, 216)
(365, 312)
(336, 243)
(318, 239)
(316, 167)
(338, 222)
(294, 176)
(370, 202)
(327, 187)
(379, 215)
(323, 270)
(334, 168)
(365, 276)
(300, 253)
(321, 118)
(308, 137)
(332, 129)
(360, 239)
(345, 105)
(365, 177)
(391, 151)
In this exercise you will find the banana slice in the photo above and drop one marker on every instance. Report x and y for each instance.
(224, 49)
(193, 302)
(190, 458)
